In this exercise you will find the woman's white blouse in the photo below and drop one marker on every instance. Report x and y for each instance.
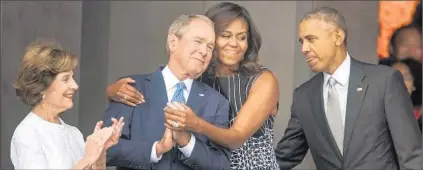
(39, 144)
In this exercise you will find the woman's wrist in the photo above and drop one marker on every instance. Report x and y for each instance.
(101, 160)
(86, 163)
(100, 163)
(199, 128)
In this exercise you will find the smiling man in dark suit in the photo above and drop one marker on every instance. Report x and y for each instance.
(145, 142)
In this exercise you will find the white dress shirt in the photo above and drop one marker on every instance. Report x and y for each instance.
(341, 75)
(39, 144)
(170, 82)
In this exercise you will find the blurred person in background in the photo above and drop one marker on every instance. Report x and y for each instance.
(410, 69)
(405, 42)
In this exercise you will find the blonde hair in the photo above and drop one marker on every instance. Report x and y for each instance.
(39, 67)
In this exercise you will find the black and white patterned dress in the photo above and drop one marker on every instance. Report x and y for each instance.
(257, 153)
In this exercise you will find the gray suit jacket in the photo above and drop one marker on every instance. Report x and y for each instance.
(380, 129)
(144, 124)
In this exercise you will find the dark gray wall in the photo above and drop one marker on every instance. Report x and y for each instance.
(94, 63)
(115, 39)
(22, 23)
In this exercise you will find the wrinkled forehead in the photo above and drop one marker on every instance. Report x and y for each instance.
(202, 32)
(200, 28)
(315, 27)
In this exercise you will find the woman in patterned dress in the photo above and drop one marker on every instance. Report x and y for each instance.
(251, 89)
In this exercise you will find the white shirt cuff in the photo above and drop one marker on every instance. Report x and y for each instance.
(153, 156)
(187, 149)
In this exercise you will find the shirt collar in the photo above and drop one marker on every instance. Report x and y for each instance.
(341, 74)
(171, 80)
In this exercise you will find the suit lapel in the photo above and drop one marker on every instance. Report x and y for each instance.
(197, 96)
(320, 116)
(156, 89)
(356, 92)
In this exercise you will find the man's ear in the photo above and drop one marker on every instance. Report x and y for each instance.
(339, 36)
(172, 41)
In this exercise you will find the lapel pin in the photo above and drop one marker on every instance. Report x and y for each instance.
(359, 89)
(201, 94)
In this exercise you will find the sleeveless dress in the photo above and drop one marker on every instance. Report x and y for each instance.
(257, 152)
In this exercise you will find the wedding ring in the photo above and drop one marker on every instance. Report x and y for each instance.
(175, 124)
(124, 97)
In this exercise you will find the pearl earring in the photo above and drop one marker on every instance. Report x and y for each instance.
(44, 96)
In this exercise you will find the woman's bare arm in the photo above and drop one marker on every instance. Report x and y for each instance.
(261, 101)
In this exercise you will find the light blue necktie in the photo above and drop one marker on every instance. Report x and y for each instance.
(178, 96)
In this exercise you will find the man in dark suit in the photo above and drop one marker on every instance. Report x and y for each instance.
(351, 115)
(145, 142)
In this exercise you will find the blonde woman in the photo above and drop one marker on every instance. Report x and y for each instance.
(43, 140)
